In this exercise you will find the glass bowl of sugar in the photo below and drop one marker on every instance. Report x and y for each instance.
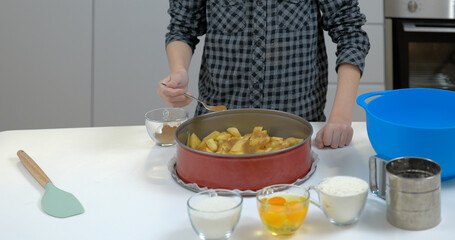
(214, 213)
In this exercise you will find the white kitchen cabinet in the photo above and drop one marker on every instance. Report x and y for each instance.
(45, 64)
(130, 59)
(81, 63)
(374, 63)
(373, 78)
(373, 10)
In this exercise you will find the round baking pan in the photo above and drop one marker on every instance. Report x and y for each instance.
(246, 171)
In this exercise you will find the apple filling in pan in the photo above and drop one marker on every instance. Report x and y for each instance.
(232, 142)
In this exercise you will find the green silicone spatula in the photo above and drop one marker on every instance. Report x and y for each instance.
(55, 201)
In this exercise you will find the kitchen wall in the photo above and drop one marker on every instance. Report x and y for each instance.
(82, 63)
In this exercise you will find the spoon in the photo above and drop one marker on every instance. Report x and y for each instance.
(208, 107)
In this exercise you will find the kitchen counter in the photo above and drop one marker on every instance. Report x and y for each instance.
(121, 178)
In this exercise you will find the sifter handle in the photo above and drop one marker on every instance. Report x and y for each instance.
(33, 168)
(374, 186)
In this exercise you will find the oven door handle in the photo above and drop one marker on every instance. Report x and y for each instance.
(411, 27)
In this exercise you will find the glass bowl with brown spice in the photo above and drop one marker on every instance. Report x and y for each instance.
(161, 124)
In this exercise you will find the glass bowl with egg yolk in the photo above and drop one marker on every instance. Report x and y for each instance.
(282, 208)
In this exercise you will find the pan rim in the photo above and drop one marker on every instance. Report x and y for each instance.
(237, 111)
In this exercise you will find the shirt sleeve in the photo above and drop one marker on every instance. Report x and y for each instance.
(188, 21)
(343, 21)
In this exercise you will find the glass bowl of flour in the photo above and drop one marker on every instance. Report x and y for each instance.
(342, 198)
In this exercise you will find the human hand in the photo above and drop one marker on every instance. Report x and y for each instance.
(172, 93)
(335, 134)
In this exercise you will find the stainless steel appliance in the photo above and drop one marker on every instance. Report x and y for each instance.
(420, 43)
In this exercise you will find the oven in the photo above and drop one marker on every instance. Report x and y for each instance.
(420, 44)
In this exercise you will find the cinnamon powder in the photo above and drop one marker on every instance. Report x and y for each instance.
(166, 135)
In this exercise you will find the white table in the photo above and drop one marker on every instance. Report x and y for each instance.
(121, 178)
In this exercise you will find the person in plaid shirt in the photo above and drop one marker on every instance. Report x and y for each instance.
(269, 54)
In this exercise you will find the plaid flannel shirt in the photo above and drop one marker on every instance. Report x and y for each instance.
(269, 53)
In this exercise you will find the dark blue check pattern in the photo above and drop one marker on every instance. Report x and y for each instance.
(269, 53)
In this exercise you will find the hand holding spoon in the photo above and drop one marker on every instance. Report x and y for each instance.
(208, 107)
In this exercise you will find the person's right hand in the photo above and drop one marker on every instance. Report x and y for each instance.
(172, 94)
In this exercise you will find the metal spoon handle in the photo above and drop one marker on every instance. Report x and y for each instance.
(210, 108)
(186, 94)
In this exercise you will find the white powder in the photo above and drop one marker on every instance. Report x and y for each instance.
(158, 127)
(343, 186)
(343, 198)
(216, 217)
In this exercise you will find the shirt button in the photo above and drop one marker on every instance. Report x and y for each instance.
(258, 43)
(259, 3)
(260, 68)
(256, 85)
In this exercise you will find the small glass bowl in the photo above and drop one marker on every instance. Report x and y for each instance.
(283, 208)
(161, 124)
(214, 213)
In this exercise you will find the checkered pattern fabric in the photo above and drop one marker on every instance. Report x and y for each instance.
(269, 53)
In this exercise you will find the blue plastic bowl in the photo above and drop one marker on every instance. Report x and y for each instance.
(416, 122)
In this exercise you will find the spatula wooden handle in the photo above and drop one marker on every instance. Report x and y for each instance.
(33, 168)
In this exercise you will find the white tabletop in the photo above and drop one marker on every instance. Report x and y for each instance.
(121, 178)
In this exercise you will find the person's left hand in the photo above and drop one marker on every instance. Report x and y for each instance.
(335, 134)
